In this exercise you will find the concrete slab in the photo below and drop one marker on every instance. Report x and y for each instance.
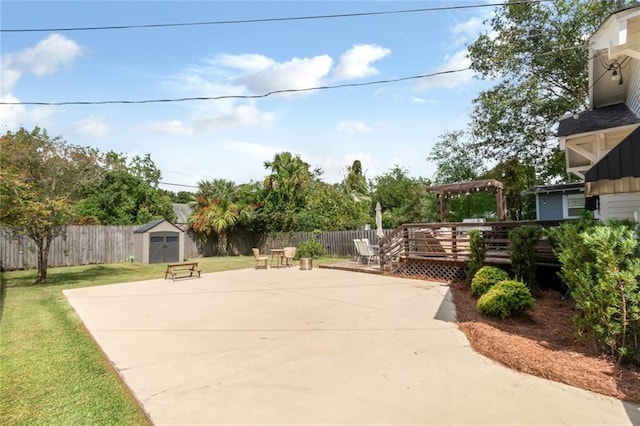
(315, 347)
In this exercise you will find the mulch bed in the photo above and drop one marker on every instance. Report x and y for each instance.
(543, 343)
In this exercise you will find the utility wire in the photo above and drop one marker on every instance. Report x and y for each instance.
(258, 20)
(215, 98)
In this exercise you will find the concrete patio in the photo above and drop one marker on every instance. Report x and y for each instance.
(315, 347)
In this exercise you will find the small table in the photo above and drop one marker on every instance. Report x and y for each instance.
(280, 256)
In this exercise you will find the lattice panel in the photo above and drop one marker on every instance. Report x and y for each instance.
(429, 270)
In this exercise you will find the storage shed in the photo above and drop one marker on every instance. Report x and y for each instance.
(158, 241)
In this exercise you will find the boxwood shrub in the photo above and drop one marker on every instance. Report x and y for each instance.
(486, 277)
(505, 299)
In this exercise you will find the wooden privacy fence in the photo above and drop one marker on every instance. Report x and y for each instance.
(335, 243)
(84, 245)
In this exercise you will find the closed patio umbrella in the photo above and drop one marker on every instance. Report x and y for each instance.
(379, 232)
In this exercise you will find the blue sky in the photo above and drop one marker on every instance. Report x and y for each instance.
(381, 125)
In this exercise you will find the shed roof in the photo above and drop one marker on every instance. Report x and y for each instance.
(561, 187)
(150, 225)
(622, 161)
(597, 119)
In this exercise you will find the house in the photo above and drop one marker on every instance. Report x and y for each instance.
(558, 202)
(602, 144)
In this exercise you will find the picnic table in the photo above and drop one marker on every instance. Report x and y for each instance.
(188, 269)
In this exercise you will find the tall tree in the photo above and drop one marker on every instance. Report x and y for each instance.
(128, 194)
(456, 159)
(286, 189)
(539, 52)
(40, 180)
(217, 211)
(402, 197)
(516, 177)
(355, 182)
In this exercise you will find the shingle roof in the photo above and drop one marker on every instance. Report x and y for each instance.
(561, 187)
(147, 226)
(597, 119)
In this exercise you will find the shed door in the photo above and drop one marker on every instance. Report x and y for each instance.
(164, 247)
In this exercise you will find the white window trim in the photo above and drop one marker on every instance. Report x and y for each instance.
(565, 205)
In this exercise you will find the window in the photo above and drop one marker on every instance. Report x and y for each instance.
(172, 239)
(157, 239)
(573, 205)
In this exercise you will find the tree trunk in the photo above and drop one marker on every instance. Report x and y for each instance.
(42, 244)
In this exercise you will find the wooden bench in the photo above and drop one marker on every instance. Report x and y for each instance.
(183, 268)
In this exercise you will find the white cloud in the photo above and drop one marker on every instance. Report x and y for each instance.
(347, 126)
(172, 127)
(457, 61)
(419, 100)
(356, 62)
(239, 116)
(11, 115)
(8, 78)
(46, 57)
(246, 62)
(91, 127)
(294, 74)
(464, 31)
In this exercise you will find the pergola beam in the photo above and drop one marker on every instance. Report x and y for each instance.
(443, 192)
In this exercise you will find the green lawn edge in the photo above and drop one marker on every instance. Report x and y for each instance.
(53, 372)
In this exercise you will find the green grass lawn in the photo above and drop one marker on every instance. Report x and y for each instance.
(51, 370)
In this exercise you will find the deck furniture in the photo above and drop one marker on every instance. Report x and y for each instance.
(260, 259)
(182, 270)
(289, 256)
(277, 258)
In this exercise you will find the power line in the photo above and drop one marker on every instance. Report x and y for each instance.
(179, 184)
(259, 20)
(215, 98)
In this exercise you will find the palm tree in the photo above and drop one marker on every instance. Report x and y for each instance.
(216, 212)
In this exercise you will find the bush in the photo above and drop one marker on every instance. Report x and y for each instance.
(477, 253)
(485, 278)
(601, 266)
(505, 299)
(522, 246)
(310, 248)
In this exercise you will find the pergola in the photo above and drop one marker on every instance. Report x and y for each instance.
(444, 192)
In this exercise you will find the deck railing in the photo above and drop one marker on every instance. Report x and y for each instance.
(450, 241)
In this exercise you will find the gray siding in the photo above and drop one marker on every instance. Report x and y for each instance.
(633, 94)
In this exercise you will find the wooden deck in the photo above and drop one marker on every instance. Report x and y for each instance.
(353, 266)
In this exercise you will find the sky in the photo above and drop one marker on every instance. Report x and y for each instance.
(382, 125)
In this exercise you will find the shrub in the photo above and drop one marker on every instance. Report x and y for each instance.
(522, 247)
(486, 277)
(505, 299)
(601, 266)
(477, 253)
(310, 248)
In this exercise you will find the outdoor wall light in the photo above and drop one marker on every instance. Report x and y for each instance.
(616, 69)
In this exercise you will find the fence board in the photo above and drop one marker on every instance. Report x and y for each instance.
(83, 245)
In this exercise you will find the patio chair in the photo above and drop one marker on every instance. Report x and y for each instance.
(289, 255)
(260, 259)
(364, 251)
(355, 243)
